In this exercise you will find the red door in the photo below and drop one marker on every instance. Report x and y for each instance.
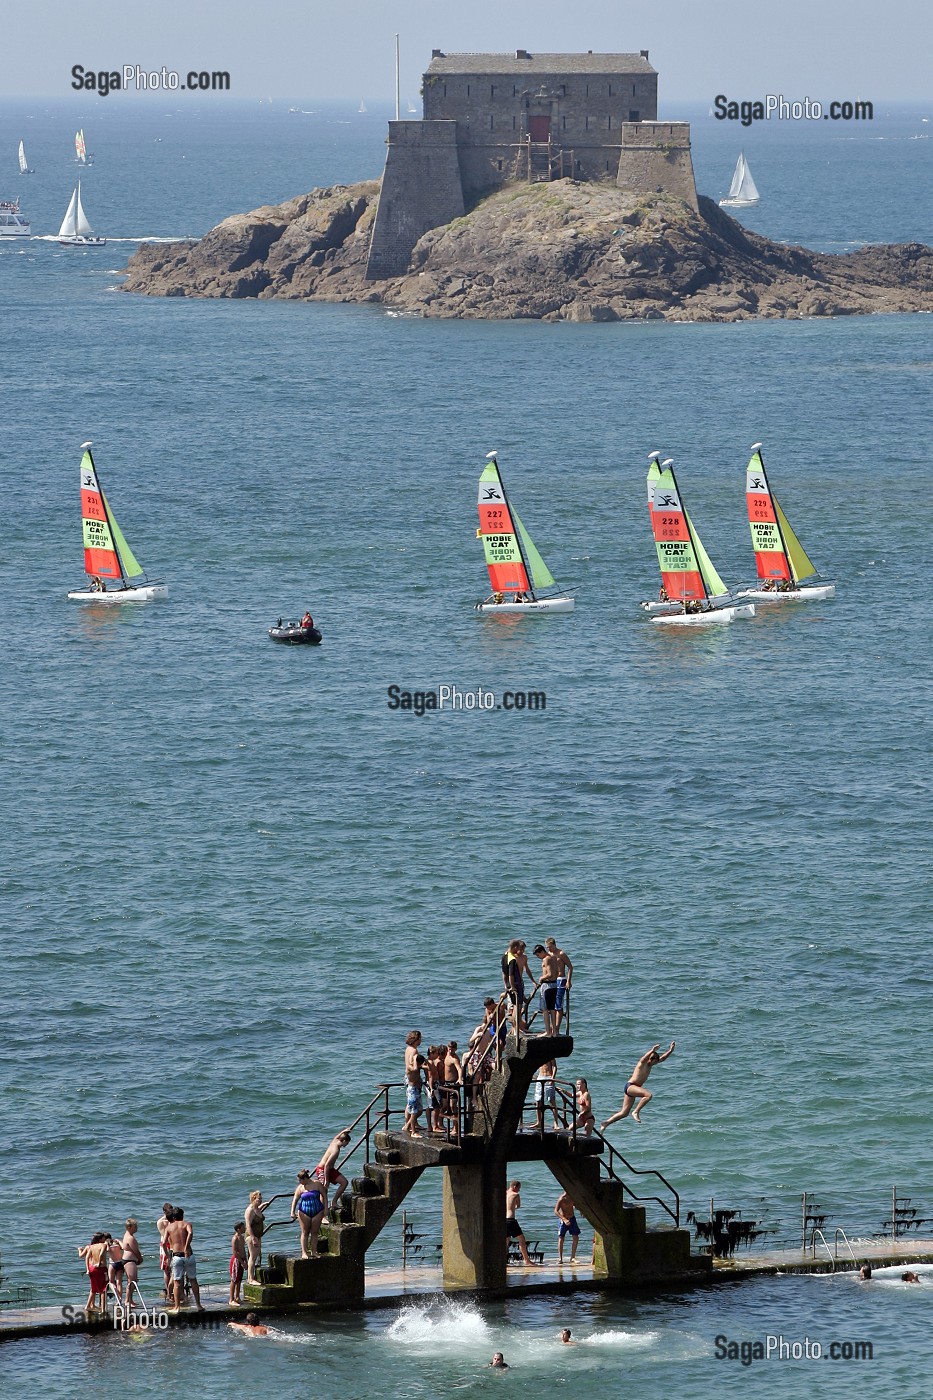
(539, 128)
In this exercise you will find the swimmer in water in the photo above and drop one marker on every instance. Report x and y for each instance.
(566, 1338)
(252, 1327)
(499, 1363)
(908, 1276)
(865, 1271)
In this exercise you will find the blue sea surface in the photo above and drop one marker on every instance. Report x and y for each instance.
(233, 878)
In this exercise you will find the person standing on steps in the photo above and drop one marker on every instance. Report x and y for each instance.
(636, 1095)
(308, 1205)
(255, 1221)
(326, 1174)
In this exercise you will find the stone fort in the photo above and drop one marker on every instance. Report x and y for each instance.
(496, 119)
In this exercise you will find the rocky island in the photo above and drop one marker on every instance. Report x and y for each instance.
(560, 250)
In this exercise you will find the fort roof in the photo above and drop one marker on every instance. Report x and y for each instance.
(523, 61)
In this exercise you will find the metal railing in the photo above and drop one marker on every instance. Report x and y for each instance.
(818, 1231)
(567, 1092)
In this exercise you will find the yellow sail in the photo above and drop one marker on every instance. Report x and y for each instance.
(801, 564)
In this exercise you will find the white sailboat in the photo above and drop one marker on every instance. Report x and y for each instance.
(743, 189)
(688, 575)
(362, 108)
(786, 573)
(75, 231)
(514, 564)
(114, 572)
(411, 106)
(23, 163)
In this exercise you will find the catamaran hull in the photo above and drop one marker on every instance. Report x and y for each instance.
(707, 619)
(541, 605)
(145, 594)
(815, 594)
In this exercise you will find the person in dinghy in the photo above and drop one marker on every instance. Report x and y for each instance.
(307, 622)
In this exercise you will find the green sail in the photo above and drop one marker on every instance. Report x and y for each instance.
(801, 564)
(131, 567)
(714, 584)
(541, 576)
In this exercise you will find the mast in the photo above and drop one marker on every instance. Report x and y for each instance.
(491, 456)
(669, 466)
(756, 447)
(86, 446)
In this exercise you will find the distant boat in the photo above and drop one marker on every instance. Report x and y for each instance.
(689, 578)
(13, 223)
(81, 152)
(23, 164)
(75, 231)
(743, 189)
(411, 106)
(362, 107)
(115, 575)
(781, 559)
(514, 565)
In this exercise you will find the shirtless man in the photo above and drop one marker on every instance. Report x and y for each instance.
(568, 1226)
(252, 1327)
(178, 1236)
(564, 978)
(326, 1174)
(95, 1256)
(550, 963)
(636, 1095)
(255, 1222)
(513, 1230)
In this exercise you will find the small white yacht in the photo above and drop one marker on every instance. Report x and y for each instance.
(13, 223)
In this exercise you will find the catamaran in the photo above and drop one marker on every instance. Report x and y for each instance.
(743, 189)
(81, 151)
(115, 575)
(781, 559)
(23, 163)
(514, 565)
(75, 231)
(690, 581)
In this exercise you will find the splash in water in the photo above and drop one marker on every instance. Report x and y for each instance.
(445, 1326)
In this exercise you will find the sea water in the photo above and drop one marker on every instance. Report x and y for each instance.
(234, 878)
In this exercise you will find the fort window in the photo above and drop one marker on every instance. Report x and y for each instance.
(609, 122)
(468, 89)
(610, 89)
(634, 116)
(586, 123)
(492, 89)
(498, 164)
(564, 123)
(513, 123)
(492, 123)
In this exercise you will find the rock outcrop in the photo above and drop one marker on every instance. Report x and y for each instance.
(557, 251)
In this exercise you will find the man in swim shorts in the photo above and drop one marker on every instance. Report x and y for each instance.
(564, 979)
(165, 1254)
(568, 1226)
(178, 1236)
(237, 1262)
(548, 988)
(636, 1095)
(513, 1230)
(326, 1174)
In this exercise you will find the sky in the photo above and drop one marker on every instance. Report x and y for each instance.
(824, 49)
